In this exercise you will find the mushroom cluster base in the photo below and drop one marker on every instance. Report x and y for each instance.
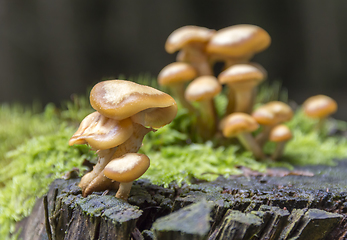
(297, 205)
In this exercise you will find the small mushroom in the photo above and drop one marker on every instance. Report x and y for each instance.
(241, 125)
(237, 44)
(202, 90)
(280, 134)
(319, 107)
(242, 79)
(176, 75)
(125, 170)
(146, 107)
(191, 41)
(269, 115)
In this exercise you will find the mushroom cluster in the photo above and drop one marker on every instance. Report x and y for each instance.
(194, 83)
(125, 113)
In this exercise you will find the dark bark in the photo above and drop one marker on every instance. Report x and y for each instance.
(290, 207)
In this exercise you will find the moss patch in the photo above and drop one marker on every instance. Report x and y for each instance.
(35, 150)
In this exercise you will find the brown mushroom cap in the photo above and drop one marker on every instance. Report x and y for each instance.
(177, 72)
(202, 88)
(239, 40)
(236, 123)
(101, 132)
(240, 75)
(273, 113)
(127, 168)
(280, 133)
(319, 106)
(186, 35)
(119, 99)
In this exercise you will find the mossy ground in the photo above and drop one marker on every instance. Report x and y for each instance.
(34, 150)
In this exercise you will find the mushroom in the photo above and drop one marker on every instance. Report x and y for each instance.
(269, 115)
(146, 107)
(104, 135)
(319, 107)
(175, 75)
(203, 89)
(237, 44)
(280, 134)
(241, 125)
(191, 41)
(242, 80)
(125, 170)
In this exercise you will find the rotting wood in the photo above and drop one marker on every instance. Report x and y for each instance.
(288, 207)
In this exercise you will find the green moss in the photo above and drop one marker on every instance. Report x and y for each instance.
(34, 154)
(35, 150)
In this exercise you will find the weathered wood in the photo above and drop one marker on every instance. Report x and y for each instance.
(289, 207)
(188, 223)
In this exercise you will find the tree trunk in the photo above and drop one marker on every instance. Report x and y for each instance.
(253, 207)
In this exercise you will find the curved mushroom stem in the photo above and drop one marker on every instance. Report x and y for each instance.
(250, 144)
(278, 150)
(244, 99)
(98, 181)
(124, 190)
(263, 137)
(104, 157)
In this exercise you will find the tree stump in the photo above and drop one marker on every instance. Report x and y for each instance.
(253, 207)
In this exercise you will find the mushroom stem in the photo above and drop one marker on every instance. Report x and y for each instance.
(104, 157)
(250, 144)
(278, 150)
(124, 190)
(229, 61)
(231, 102)
(244, 99)
(98, 181)
(195, 55)
(178, 91)
(262, 137)
(208, 119)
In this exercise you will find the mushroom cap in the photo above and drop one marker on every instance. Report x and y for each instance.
(203, 88)
(241, 75)
(280, 133)
(119, 99)
(273, 113)
(186, 35)
(127, 168)
(177, 72)
(236, 123)
(239, 40)
(319, 106)
(101, 132)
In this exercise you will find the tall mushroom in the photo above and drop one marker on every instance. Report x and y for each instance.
(242, 80)
(237, 44)
(148, 109)
(241, 125)
(191, 41)
(202, 90)
(319, 107)
(176, 75)
(125, 170)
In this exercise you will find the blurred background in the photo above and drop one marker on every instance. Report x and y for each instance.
(50, 50)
